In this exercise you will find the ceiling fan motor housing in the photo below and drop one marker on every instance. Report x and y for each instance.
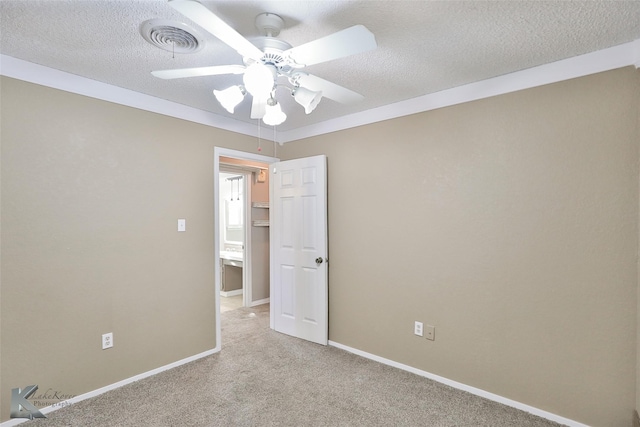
(269, 24)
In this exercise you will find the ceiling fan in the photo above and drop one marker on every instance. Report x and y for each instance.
(270, 58)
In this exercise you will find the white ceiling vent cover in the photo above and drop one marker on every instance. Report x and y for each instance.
(171, 36)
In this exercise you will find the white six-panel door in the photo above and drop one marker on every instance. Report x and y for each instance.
(298, 239)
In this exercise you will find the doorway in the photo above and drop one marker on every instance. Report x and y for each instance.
(234, 192)
(252, 168)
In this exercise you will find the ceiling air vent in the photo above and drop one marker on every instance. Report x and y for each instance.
(171, 36)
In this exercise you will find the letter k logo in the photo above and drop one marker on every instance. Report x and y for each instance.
(19, 402)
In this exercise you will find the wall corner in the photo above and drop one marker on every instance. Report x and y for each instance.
(636, 421)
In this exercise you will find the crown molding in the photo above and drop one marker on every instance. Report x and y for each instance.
(56, 79)
(591, 63)
(619, 56)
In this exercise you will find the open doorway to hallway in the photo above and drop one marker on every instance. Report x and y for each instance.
(234, 190)
(242, 232)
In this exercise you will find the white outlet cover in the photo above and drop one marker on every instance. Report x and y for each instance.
(182, 225)
(417, 328)
(107, 340)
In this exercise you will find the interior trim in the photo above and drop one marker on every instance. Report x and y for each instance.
(56, 79)
(260, 302)
(579, 66)
(49, 409)
(233, 293)
(590, 63)
(460, 386)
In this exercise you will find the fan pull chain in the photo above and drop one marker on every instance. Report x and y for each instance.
(275, 144)
(259, 147)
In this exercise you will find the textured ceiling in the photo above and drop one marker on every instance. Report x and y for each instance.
(423, 46)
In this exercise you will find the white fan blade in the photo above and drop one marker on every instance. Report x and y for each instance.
(329, 90)
(258, 108)
(202, 16)
(347, 42)
(199, 71)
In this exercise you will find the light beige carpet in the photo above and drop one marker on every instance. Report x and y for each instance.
(263, 378)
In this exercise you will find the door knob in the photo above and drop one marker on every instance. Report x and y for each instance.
(319, 260)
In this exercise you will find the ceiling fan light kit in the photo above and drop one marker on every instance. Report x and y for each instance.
(307, 98)
(273, 115)
(230, 97)
(270, 58)
(259, 79)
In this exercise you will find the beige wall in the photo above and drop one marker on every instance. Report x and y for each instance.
(511, 224)
(91, 194)
(260, 243)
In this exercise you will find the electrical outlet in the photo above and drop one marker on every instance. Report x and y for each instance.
(417, 328)
(107, 340)
(430, 332)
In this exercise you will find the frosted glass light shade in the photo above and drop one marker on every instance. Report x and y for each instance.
(259, 79)
(230, 97)
(307, 98)
(274, 115)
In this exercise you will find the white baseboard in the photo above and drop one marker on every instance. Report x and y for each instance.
(461, 386)
(233, 293)
(443, 380)
(260, 302)
(48, 409)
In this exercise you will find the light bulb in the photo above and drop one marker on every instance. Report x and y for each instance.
(259, 79)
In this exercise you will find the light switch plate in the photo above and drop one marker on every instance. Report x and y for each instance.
(182, 225)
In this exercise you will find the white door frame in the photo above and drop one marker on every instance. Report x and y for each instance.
(242, 155)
